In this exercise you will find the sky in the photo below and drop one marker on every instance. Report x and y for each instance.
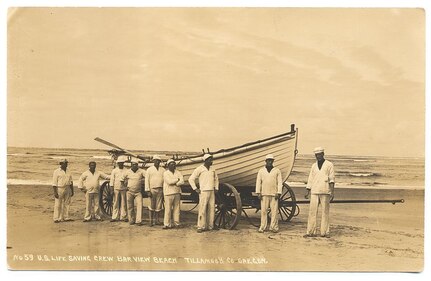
(352, 80)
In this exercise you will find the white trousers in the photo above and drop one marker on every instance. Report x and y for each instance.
(265, 203)
(132, 198)
(172, 207)
(206, 210)
(156, 200)
(91, 206)
(317, 200)
(119, 212)
(62, 204)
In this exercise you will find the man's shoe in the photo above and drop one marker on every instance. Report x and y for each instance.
(126, 220)
(68, 220)
(199, 230)
(325, 236)
(308, 235)
(86, 220)
(165, 227)
(260, 231)
(56, 221)
(112, 220)
(274, 231)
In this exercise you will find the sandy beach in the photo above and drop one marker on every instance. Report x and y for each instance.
(364, 237)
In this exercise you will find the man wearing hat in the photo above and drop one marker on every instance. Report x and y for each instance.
(89, 184)
(133, 180)
(269, 185)
(208, 185)
(320, 185)
(119, 191)
(62, 185)
(173, 179)
(154, 184)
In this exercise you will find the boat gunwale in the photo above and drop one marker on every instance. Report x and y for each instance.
(237, 149)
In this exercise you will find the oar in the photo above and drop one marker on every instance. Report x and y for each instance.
(117, 147)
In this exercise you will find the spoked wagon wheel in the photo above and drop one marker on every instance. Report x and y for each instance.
(106, 198)
(228, 207)
(287, 204)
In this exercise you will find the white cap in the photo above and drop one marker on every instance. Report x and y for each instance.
(269, 156)
(135, 160)
(206, 156)
(170, 161)
(318, 149)
(64, 160)
(157, 157)
(121, 159)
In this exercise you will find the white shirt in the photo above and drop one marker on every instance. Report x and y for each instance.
(269, 183)
(208, 179)
(134, 180)
(318, 180)
(154, 177)
(116, 176)
(172, 182)
(90, 182)
(61, 178)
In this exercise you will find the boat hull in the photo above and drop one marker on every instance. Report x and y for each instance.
(239, 166)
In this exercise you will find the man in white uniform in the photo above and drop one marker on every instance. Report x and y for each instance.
(208, 185)
(320, 185)
(173, 180)
(89, 184)
(62, 185)
(154, 184)
(133, 179)
(269, 185)
(119, 213)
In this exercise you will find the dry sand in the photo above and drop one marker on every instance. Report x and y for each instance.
(364, 237)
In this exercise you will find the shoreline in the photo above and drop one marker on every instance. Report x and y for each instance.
(22, 182)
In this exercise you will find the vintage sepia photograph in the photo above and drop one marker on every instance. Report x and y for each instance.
(215, 139)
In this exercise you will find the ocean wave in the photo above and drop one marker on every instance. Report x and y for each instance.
(21, 154)
(363, 160)
(296, 183)
(102, 157)
(362, 174)
(27, 182)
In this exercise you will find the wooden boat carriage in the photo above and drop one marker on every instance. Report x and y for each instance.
(237, 168)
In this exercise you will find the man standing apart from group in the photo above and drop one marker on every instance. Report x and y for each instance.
(62, 185)
(154, 183)
(119, 192)
(173, 179)
(269, 185)
(320, 185)
(89, 184)
(208, 185)
(133, 179)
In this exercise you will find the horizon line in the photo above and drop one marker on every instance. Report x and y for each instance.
(101, 149)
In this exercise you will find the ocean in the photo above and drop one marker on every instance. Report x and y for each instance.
(34, 166)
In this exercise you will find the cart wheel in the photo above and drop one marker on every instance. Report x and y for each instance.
(228, 207)
(106, 198)
(287, 204)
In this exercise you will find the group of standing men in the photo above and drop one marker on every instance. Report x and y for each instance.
(161, 185)
(165, 186)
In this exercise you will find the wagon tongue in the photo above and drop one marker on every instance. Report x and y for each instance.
(117, 147)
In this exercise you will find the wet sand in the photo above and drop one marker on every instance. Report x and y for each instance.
(364, 237)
